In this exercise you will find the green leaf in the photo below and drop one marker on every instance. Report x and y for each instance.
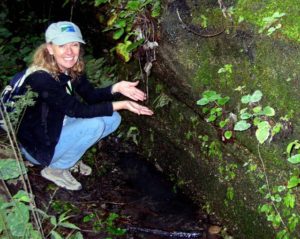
(156, 9)
(18, 219)
(244, 110)
(99, 2)
(55, 235)
(211, 95)
(246, 99)
(53, 220)
(289, 200)
(133, 5)
(203, 101)
(295, 144)
(78, 235)
(256, 96)
(294, 159)
(205, 110)
(211, 118)
(22, 196)
(68, 225)
(112, 20)
(263, 131)
(266, 208)
(63, 217)
(4, 32)
(256, 121)
(241, 19)
(9, 169)
(118, 33)
(121, 23)
(293, 222)
(89, 217)
(293, 182)
(281, 188)
(2, 226)
(228, 134)
(230, 193)
(282, 234)
(219, 111)
(223, 123)
(34, 234)
(257, 109)
(241, 125)
(278, 15)
(276, 221)
(16, 39)
(269, 111)
(276, 129)
(276, 198)
(223, 101)
(134, 45)
(245, 116)
(122, 51)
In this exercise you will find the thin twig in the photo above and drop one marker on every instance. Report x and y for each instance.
(142, 75)
(72, 10)
(6, 188)
(24, 178)
(50, 202)
(70, 234)
(185, 26)
(268, 185)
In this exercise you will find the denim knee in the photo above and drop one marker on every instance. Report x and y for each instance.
(95, 126)
(116, 121)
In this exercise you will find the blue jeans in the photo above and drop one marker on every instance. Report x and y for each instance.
(77, 136)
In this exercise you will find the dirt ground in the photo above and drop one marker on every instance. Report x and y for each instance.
(123, 192)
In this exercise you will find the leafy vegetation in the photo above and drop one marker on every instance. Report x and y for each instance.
(107, 225)
(269, 16)
(16, 211)
(280, 199)
(15, 49)
(19, 216)
(128, 22)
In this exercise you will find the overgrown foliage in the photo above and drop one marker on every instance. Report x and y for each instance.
(19, 216)
(126, 22)
(15, 48)
(280, 201)
(280, 17)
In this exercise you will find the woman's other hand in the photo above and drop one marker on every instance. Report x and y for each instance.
(129, 90)
(132, 106)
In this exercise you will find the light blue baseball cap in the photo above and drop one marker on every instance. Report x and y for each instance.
(61, 33)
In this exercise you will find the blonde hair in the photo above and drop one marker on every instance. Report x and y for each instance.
(43, 59)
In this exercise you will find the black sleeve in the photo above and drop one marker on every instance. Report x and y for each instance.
(90, 94)
(50, 91)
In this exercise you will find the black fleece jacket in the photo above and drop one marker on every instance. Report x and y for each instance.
(41, 125)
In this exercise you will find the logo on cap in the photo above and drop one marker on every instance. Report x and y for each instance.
(67, 28)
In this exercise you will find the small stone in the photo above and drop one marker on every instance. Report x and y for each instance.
(214, 229)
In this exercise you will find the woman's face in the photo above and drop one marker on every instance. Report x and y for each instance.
(65, 55)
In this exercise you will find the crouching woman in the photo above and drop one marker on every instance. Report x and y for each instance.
(69, 114)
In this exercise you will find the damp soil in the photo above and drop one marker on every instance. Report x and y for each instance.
(123, 183)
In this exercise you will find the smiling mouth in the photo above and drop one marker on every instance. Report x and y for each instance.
(69, 58)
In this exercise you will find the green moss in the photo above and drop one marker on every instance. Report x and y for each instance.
(254, 12)
(270, 64)
(207, 18)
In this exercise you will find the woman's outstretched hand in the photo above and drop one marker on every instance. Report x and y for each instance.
(132, 106)
(129, 90)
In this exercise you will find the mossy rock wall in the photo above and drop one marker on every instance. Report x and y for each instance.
(227, 177)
